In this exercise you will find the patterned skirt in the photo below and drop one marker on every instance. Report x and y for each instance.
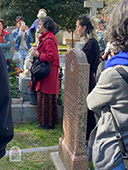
(47, 109)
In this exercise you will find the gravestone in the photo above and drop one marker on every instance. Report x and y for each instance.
(93, 5)
(10, 29)
(72, 143)
(79, 45)
(23, 80)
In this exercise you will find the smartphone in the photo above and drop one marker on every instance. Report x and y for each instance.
(23, 23)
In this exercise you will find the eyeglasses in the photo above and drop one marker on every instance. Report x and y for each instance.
(19, 17)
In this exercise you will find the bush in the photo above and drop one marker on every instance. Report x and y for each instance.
(14, 90)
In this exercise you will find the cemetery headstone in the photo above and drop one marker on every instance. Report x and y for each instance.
(10, 29)
(93, 5)
(79, 45)
(72, 143)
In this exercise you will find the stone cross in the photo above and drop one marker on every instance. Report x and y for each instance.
(72, 143)
(94, 4)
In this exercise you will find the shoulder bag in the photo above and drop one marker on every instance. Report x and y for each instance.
(124, 154)
(17, 56)
(39, 70)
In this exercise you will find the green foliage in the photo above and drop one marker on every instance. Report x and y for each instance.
(15, 93)
(63, 12)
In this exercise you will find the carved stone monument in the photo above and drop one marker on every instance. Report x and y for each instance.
(93, 5)
(10, 29)
(72, 143)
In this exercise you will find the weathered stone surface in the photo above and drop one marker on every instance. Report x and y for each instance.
(72, 143)
(24, 112)
(23, 86)
(10, 29)
(17, 100)
(93, 5)
(17, 113)
(29, 112)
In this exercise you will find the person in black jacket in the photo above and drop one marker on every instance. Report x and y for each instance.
(6, 123)
(85, 28)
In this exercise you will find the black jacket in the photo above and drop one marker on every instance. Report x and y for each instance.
(92, 51)
(6, 124)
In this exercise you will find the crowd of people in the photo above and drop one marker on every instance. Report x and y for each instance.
(108, 95)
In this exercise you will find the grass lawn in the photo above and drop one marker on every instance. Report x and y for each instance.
(29, 136)
(62, 46)
(30, 161)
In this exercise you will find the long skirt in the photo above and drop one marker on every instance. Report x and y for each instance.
(47, 109)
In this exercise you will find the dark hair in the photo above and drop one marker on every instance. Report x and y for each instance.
(2, 21)
(84, 20)
(48, 23)
(19, 18)
(117, 27)
(101, 21)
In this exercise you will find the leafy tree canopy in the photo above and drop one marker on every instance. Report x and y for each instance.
(63, 12)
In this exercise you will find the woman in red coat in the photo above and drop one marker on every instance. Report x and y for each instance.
(47, 110)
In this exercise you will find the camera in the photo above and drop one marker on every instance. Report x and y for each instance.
(23, 23)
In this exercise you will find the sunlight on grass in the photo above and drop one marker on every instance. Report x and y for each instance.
(29, 136)
(30, 161)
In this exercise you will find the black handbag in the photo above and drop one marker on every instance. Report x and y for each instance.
(39, 70)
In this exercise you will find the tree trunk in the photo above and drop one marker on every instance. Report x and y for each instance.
(72, 39)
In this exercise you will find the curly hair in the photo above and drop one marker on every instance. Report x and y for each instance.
(48, 23)
(117, 27)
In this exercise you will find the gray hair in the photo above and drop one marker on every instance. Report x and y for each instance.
(117, 27)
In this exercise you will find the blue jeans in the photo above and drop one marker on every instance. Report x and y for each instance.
(120, 167)
(23, 53)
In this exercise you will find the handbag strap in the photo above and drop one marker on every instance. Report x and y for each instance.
(123, 73)
(124, 154)
(121, 144)
(22, 39)
(45, 40)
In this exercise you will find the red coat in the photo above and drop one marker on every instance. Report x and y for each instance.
(49, 52)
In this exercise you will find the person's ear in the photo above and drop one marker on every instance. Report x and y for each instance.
(84, 27)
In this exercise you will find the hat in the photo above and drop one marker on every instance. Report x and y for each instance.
(101, 21)
(41, 13)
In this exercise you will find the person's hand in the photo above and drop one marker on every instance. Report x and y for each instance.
(8, 42)
(22, 28)
(68, 51)
(35, 53)
(26, 28)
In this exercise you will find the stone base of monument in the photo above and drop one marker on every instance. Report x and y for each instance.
(23, 86)
(24, 112)
(71, 160)
(57, 161)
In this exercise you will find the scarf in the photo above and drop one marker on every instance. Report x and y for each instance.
(119, 59)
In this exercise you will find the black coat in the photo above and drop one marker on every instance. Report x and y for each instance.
(6, 124)
(92, 51)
